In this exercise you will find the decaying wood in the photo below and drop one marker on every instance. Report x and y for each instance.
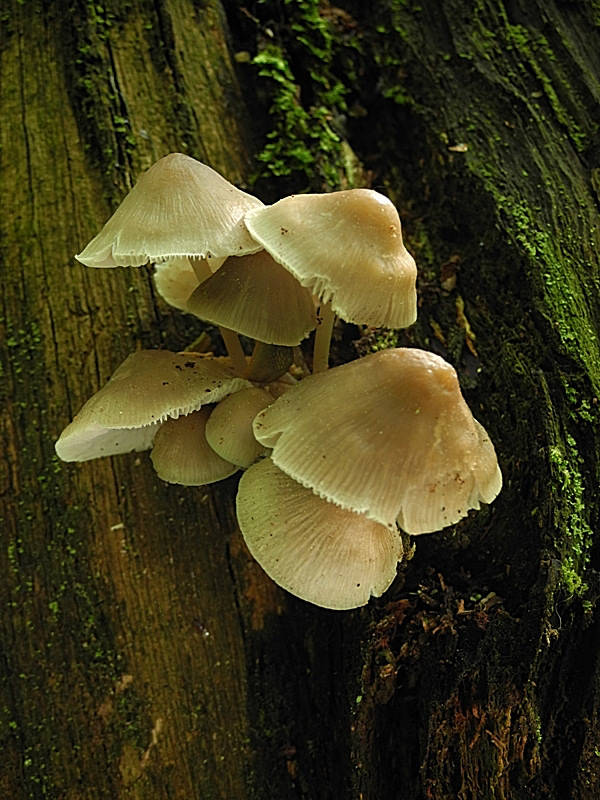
(144, 654)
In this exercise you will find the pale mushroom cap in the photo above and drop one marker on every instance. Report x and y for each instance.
(453, 493)
(147, 388)
(175, 280)
(84, 442)
(347, 248)
(179, 207)
(256, 296)
(317, 551)
(229, 427)
(182, 455)
(390, 436)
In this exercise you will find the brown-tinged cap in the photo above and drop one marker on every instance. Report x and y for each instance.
(146, 389)
(256, 296)
(455, 491)
(390, 436)
(182, 455)
(229, 427)
(179, 207)
(347, 248)
(317, 551)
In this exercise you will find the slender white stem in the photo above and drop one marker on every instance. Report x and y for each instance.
(258, 352)
(234, 348)
(323, 338)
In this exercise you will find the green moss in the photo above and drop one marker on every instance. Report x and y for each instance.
(555, 261)
(582, 410)
(543, 219)
(307, 100)
(570, 514)
(383, 340)
(533, 49)
(301, 141)
(520, 59)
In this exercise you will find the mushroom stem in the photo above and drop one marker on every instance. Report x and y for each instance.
(202, 344)
(234, 348)
(323, 338)
(201, 268)
(269, 362)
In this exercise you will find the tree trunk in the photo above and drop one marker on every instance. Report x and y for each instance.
(144, 654)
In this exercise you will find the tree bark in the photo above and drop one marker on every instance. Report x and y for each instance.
(144, 653)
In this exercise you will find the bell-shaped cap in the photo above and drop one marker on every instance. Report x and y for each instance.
(182, 455)
(179, 207)
(347, 248)
(146, 389)
(317, 551)
(390, 436)
(256, 296)
(229, 427)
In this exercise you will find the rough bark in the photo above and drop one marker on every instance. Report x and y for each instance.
(112, 685)
(144, 654)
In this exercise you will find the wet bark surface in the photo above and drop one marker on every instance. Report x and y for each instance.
(144, 653)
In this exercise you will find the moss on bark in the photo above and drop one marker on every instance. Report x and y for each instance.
(109, 686)
(146, 655)
(480, 123)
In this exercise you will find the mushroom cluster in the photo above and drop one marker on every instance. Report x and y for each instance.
(336, 463)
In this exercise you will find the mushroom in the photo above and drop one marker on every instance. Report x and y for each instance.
(347, 248)
(179, 207)
(229, 427)
(175, 280)
(389, 436)
(256, 296)
(319, 552)
(269, 363)
(181, 453)
(146, 389)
